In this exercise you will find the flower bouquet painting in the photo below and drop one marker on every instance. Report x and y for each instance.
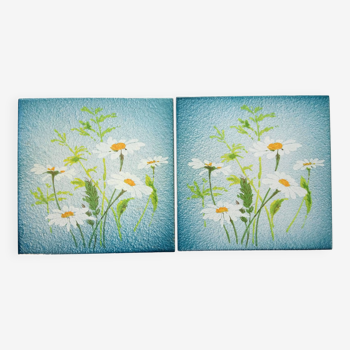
(254, 173)
(95, 176)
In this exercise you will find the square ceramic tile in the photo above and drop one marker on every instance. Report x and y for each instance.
(254, 173)
(95, 176)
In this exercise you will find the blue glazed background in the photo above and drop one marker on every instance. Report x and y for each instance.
(148, 120)
(302, 118)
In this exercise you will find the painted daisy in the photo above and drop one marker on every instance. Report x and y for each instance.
(69, 216)
(115, 148)
(152, 162)
(49, 170)
(129, 183)
(305, 164)
(216, 168)
(223, 211)
(284, 183)
(271, 148)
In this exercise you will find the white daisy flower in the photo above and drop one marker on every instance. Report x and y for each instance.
(271, 148)
(305, 164)
(115, 148)
(216, 168)
(284, 183)
(69, 216)
(49, 170)
(223, 211)
(129, 183)
(152, 162)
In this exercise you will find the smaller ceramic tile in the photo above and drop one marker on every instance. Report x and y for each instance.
(95, 176)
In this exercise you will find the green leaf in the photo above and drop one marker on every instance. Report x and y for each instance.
(249, 167)
(78, 155)
(85, 109)
(204, 180)
(107, 131)
(154, 196)
(257, 109)
(261, 117)
(308, 198)
(265, 130)
(122, 205)
(233, 179)
(91, 196)
(62, 138)
(88, 171)
(246, 108)
(102, 118)
(78, 183)
(246, 193)
(216, 188)
(228, 157)
(275, 207)
(98, 110)
(148, 181)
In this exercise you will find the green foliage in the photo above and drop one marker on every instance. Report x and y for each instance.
(78, 183)
(121, 207)
(275, 207)
(308, 199)
(62, 138)
(202, 193)
(91, 197)
(87, 130)
(236, 150)
(249, 167)
(153, 195)
(246, 195)
(42, 198)
(78, 155)
(246, 128)
(234, 180)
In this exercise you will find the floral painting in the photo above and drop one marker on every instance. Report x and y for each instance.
(95, 176)
(254, 173)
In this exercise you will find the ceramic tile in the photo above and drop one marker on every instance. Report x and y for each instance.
(95, 176)
(254, 173)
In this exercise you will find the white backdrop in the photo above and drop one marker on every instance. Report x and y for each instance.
(200, 300)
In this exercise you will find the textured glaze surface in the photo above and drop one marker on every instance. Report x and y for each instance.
(301, 118)
(148, 120)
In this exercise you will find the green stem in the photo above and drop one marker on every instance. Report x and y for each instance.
(121, 160)
(203, 206)
(93, 181)
(301, 204)
(290, 225)
(234, 228)
(75, 241)
(109, 206)
(211, 190)
(257, 213)
(228, 236)
(142, 214)
(82, 235)
(102, 233)
(54, 191)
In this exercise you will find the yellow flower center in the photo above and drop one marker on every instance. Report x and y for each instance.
(219, 167)
(118, 146)
(221, 210)
(274, 146)
(129, 182)
(208, 164)
(51, 169)
(67, 214)
(284, 182)
(62, 171)
(153, 161)
(307, 164)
